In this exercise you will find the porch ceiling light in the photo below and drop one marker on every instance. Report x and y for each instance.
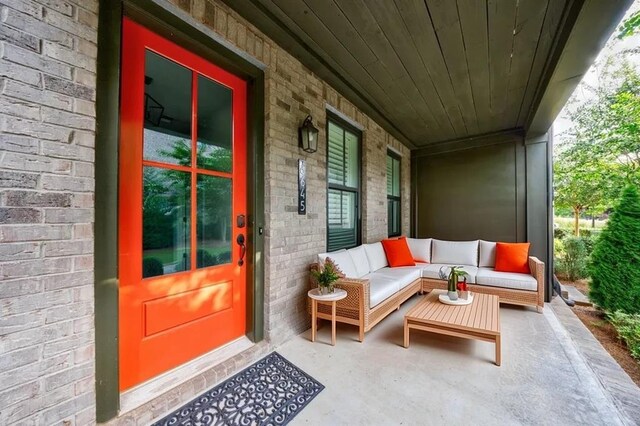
(308, 135)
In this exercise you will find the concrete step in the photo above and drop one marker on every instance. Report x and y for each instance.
(570, 292)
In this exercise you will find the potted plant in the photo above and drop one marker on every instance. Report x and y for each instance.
(326, 276)
(455, 272)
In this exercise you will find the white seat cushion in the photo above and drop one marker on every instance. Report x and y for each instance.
(323, 256)
(381, 287)
(359, 257)
(454, 252)
(420, 249)
(489, 277)
(487, 254)
(343, 261)
(404, 275)
(376, 256)
(433, 271)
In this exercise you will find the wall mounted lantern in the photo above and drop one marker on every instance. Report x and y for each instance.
(308, 135)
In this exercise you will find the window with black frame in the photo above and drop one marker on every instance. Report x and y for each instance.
(393, 194)
(343, 186)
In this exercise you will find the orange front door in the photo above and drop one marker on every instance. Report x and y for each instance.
(182, 206)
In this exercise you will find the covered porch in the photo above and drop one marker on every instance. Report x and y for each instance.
(433, 121)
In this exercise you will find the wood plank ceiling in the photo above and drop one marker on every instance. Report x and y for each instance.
(437, 70)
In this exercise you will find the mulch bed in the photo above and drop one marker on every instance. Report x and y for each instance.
(606, 334)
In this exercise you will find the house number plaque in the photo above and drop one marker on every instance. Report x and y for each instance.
(302, 187)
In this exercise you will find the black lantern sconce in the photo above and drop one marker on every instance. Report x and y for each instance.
(308, 135)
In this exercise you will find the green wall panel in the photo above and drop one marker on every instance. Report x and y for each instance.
(470, 194)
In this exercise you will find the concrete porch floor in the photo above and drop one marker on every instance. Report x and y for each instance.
(444, 380)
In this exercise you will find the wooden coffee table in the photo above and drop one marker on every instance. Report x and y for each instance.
(480, 320)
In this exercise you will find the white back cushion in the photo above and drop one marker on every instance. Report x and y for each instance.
(323, 256)
(420, 249)
(487, 254)
(454, 252)
(359, 257)
(375, 254)
(343, 261)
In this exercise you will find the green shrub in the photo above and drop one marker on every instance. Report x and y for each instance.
(559, 233)
(572, 261)
(628, 327)
(152, 267)
(224, 257)
(615, 262)
(590, 242)
(558, 250)
(204, 258)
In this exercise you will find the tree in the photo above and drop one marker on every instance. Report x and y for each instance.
(582, 183)
(615, 261)
(575, 187)
(629, 26)
(608, 126)
(601, 152)
(167, 202)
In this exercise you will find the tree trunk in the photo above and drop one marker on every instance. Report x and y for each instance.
(576, 221)
(593, 221)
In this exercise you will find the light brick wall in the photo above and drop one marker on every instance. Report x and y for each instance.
(47, 123)
(291, 240)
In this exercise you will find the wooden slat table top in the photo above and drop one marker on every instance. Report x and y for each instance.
(482, 315)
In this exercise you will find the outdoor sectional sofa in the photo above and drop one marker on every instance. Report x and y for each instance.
(374, 290)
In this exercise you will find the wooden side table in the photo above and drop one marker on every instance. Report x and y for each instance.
(332, 298)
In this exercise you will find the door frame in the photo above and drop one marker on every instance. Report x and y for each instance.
(189, 34)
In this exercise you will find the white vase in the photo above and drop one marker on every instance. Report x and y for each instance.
(325, 289)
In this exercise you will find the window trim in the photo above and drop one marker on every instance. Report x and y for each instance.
(398, 198)
(335, 119)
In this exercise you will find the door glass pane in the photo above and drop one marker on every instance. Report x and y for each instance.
(214, 125)
(351, 160)
(165, 221)
(167, 111)
(342, 219)
(214, 221)
(335, 158)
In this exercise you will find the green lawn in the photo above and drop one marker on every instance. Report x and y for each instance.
(171, 254)
(567, 223)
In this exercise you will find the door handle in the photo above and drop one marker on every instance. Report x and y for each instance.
(243, 249)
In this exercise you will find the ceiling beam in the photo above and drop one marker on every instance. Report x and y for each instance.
(477, 141)
(575, 51)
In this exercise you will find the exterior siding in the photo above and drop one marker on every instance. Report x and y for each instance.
(47, 123)
(495, 172)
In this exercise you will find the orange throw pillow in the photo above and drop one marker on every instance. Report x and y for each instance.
(512, 257)
(398, 253)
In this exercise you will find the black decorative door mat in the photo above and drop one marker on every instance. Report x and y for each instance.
(271, 391)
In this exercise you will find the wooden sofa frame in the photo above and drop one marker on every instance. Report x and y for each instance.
(355, 310)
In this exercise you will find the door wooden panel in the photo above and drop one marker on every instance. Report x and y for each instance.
(182, 184)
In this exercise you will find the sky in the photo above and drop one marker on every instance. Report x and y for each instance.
(613, 47)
